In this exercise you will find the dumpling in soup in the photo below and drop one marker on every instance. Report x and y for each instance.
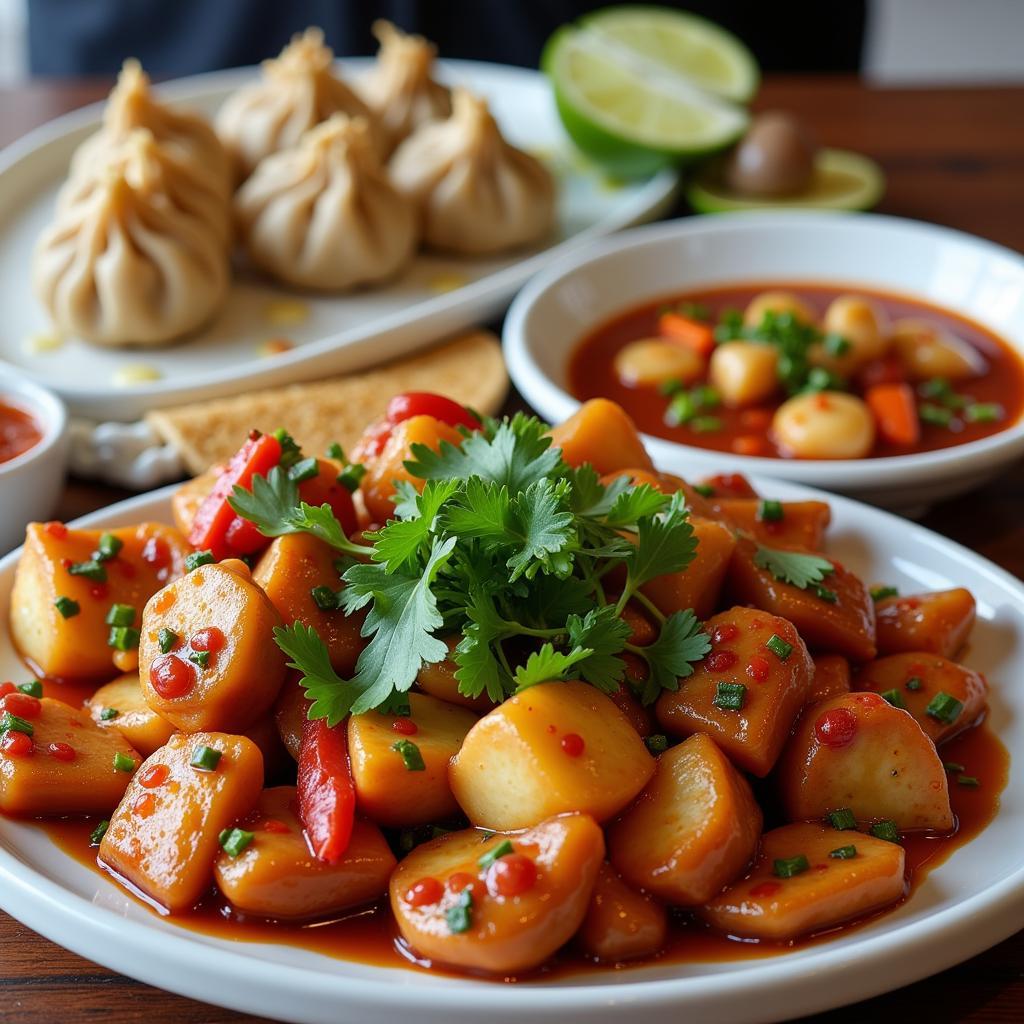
(477, 193)
(400, 88)
(296, 92)
(324, 214)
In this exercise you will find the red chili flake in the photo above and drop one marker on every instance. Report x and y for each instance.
(210, 639)
(6, 688)
(22, 704)
(16, 744)
(155, 775)
(820, 867)
(66, 563)
(144, 805)
(765, 889)
(724, 633)
(171, 677)
(512, 875)
(573, 744)
(404, 726)
(461, 880)
(822, 401)
(908, 604)
(424, 892)
(836, 728)
(56, 529)
(277, 827)
(551, 728)
(99, 591)
(125, 569)
(63, 751)
(156, 552)
(917, 669)
(758, 668)
(721, 661)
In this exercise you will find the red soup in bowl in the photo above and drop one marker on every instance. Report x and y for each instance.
(803, 371)
(19, 430)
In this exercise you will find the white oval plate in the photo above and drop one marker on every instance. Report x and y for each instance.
(969, 903)
(436, 296)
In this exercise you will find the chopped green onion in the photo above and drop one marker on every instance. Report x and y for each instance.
(694, 310)
(730, 696)
(670, 387)
(881, 593)
(886, 830)
(304, 469)
(936, 415)
(953, 766)
(120, 615)
(983, 412)
(705, 424)
(33, 688)
(459, 916)
(971, 781)
(123, 638)
(12, 723)
(944, 707)
(205, 758)
(290, 451)
(166, 639)
(778, 647)
(681, 409)
(835, 344)
(325, 599)
(197, 558)
(411, 756)
(335, 451)
(842, 819)
(895, 698)
(820, 379)
(913, 683)
(824, 594)
(109, 714)
(503, 849)
(770, 512)
(351, 476)
(787, 867)
(938, 388)
(657, 744)
(97, 834)
(123, 763)
(234, 840)
(706, 397)
(109, 547)
(200, 658)
(844, 852)
(704, 490)
(67, 607)
(91, 570)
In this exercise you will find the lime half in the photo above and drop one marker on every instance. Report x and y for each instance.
(842, 181)
(631, 113)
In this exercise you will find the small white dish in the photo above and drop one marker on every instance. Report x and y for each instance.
(30, 483)
(966, 904)
(966, 275)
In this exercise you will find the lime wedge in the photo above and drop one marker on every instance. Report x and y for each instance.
(633, 115)
(842, 181)
(682, 44)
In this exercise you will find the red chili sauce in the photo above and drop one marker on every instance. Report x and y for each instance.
(747, 431)
(19, 430)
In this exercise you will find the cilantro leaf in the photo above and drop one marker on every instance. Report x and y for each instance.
(792, 567)
(605, 634)
(479, 670)
(400, 539)
(671, 657)
(331, 695)
(481, 511)
(634, 504)
(539, 528)
(322, 524)
(591, 498)
(665, 543)
(547, 664)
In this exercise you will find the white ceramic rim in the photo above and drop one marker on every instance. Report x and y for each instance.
(815, 980)
(900, 470)
(45, 407)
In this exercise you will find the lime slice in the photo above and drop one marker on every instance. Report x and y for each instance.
(842, 181)
(682, 44)
(630, 115)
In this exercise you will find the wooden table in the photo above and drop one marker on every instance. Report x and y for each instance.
(952, 156)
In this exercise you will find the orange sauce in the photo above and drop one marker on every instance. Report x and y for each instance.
(370, 936)
(592, 370)
(19, 430)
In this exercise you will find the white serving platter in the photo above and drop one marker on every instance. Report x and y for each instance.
(972, 901)
(437, 296)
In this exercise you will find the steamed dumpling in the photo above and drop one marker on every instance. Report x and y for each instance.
(187, 137)
(324, 215)
(477, 193)
(399, 88)
(296, 92)
(121, 265)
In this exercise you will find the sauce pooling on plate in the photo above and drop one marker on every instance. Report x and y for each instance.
(19, 430)
(803, 371)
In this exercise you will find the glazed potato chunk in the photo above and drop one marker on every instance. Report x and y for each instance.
(289, 713)
(391, 788)
(831, 677)
(289, 571)
(220, 609)
(511, 916)
(824, 425)
(68, 765)
(121, 706)
(276, 875)
(744, 372)
(832, 889)
(621, 923)
(694, 828)
(858, 751)
(800, 524)
(945, 698)
(438, 679)
(556, 747)
(844, 626)
(601, 433)
(163, 837)
(761, 654)
(939, 622)
(76, 646)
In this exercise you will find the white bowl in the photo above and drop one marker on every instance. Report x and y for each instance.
(958, 272)
(31, 482)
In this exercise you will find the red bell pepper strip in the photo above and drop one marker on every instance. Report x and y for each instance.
(213, 518)
(425, 403)
(325, 488)
(326, 794)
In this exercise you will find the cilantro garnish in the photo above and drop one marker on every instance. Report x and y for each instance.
(792, 567)
(507, 547)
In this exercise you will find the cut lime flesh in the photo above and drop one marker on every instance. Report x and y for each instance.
(842, 181)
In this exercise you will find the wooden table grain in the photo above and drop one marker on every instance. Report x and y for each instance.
(951, 156)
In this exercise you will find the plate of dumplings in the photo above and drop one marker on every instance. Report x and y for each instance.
(259, 226)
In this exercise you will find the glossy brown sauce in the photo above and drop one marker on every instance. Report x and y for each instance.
(370, 936)
(592, 370)
(19, 430)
